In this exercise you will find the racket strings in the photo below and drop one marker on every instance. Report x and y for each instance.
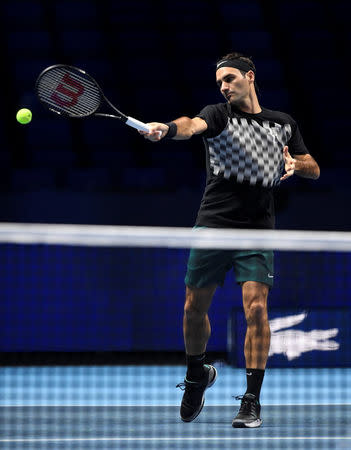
(69, 103)
(90, 102)
(68, 92)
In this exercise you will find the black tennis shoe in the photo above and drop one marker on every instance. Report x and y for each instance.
(249, 412)
(194, 395)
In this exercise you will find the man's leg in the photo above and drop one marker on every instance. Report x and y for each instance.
(197, 330)
(196, 325)
(258, 333)
(257, 341)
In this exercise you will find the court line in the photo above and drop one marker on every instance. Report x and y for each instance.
(78, 405)
(161, 439)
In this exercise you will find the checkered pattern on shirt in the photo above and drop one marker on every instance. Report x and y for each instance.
(250, 151)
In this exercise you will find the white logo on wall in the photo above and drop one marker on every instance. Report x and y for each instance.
(292, 343)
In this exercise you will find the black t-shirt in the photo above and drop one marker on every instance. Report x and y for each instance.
(244, 160)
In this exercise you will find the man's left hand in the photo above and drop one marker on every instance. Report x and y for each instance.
(289, 164)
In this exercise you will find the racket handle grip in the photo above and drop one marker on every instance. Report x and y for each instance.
(137, 124)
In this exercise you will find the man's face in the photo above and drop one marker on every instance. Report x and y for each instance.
(233, 85)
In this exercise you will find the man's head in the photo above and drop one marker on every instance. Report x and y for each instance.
(235, 77)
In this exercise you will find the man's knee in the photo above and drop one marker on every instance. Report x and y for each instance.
(255, 303)
(256, 312)
(198, 301)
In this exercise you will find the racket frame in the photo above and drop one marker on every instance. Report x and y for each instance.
(126, 119)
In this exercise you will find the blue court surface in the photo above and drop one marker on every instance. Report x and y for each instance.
(137, 407)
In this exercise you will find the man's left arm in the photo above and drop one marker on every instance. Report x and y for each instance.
(303, 165)
(306, 166)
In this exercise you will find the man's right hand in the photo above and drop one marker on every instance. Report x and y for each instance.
(157, 131)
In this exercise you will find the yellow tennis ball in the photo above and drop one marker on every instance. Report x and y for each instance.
(24, 115)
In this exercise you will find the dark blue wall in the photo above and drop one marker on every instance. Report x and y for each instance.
(56, 298)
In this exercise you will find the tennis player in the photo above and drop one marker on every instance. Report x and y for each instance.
(250, 150)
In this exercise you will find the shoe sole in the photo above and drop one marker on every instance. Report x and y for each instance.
(255, 424)
(191, 418)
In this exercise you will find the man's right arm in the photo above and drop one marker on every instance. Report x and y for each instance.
(185, 129)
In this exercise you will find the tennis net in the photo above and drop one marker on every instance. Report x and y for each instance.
(92, 347)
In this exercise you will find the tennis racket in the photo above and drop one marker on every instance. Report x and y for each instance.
(71, 92)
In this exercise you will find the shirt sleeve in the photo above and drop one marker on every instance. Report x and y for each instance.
(296, 144)
(216, 118)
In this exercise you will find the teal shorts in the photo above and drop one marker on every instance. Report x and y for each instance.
(206, 267)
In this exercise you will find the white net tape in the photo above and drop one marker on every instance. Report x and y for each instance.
(168, 237)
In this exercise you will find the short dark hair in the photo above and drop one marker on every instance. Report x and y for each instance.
(247, 59)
